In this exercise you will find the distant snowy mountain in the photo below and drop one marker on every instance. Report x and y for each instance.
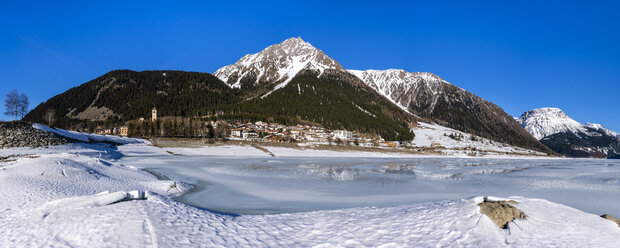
(566, 136)
(276, 63)
(543, 122)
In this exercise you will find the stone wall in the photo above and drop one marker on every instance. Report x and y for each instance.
(22, 134)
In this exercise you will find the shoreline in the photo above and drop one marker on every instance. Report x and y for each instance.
(188, 143)
(182, 196)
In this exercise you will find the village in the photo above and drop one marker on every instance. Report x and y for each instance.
(260, 131)
(273, 132)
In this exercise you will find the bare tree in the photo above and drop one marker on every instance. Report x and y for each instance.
(50, 117)
(16, 105)
(11, 104)
(23, 104)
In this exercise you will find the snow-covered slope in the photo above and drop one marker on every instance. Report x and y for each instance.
(543, 122)
(89, 137)
(453, 142)
(566, 136)
(70, 200)
(277, 63)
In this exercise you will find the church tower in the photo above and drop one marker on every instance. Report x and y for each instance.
(154, 114)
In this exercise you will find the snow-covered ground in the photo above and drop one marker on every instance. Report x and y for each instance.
(82, 195)
(88, 137)
(461, 143)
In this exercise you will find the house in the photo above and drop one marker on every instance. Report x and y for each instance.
(237, 132)
(343, 134)
(124, 131)
(99, 130)
(249, 135)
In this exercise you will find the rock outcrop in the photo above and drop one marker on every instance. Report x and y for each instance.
(609, 217)
(501, 212)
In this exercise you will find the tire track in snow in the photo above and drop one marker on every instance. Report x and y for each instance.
(149, 227)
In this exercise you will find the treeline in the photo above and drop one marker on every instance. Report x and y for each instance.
(178, 127)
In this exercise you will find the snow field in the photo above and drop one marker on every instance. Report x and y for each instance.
(54, 201)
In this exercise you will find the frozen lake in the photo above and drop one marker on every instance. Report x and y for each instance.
(284, 185)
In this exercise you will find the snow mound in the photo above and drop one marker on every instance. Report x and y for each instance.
(101, 199)
(88, 137)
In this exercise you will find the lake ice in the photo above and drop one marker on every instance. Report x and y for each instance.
(259, 185)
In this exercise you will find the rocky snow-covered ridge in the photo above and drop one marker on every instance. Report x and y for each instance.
(566, 136)
(395, 83)
(277, 63)
(543, 122)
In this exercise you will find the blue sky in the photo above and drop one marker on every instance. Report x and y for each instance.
(519, 55)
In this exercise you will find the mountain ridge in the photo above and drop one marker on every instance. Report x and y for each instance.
(427, 95)
(395, 96)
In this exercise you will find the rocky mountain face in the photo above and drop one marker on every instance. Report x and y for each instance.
(429, 96)
(562, 134)
(547, 121)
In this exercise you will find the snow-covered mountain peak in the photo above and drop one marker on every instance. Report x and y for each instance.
(543, 122)
(392, 83)
(566, 136)
(277, 63)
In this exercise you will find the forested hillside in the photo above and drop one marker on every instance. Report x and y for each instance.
(333, 101)
(124, 95)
